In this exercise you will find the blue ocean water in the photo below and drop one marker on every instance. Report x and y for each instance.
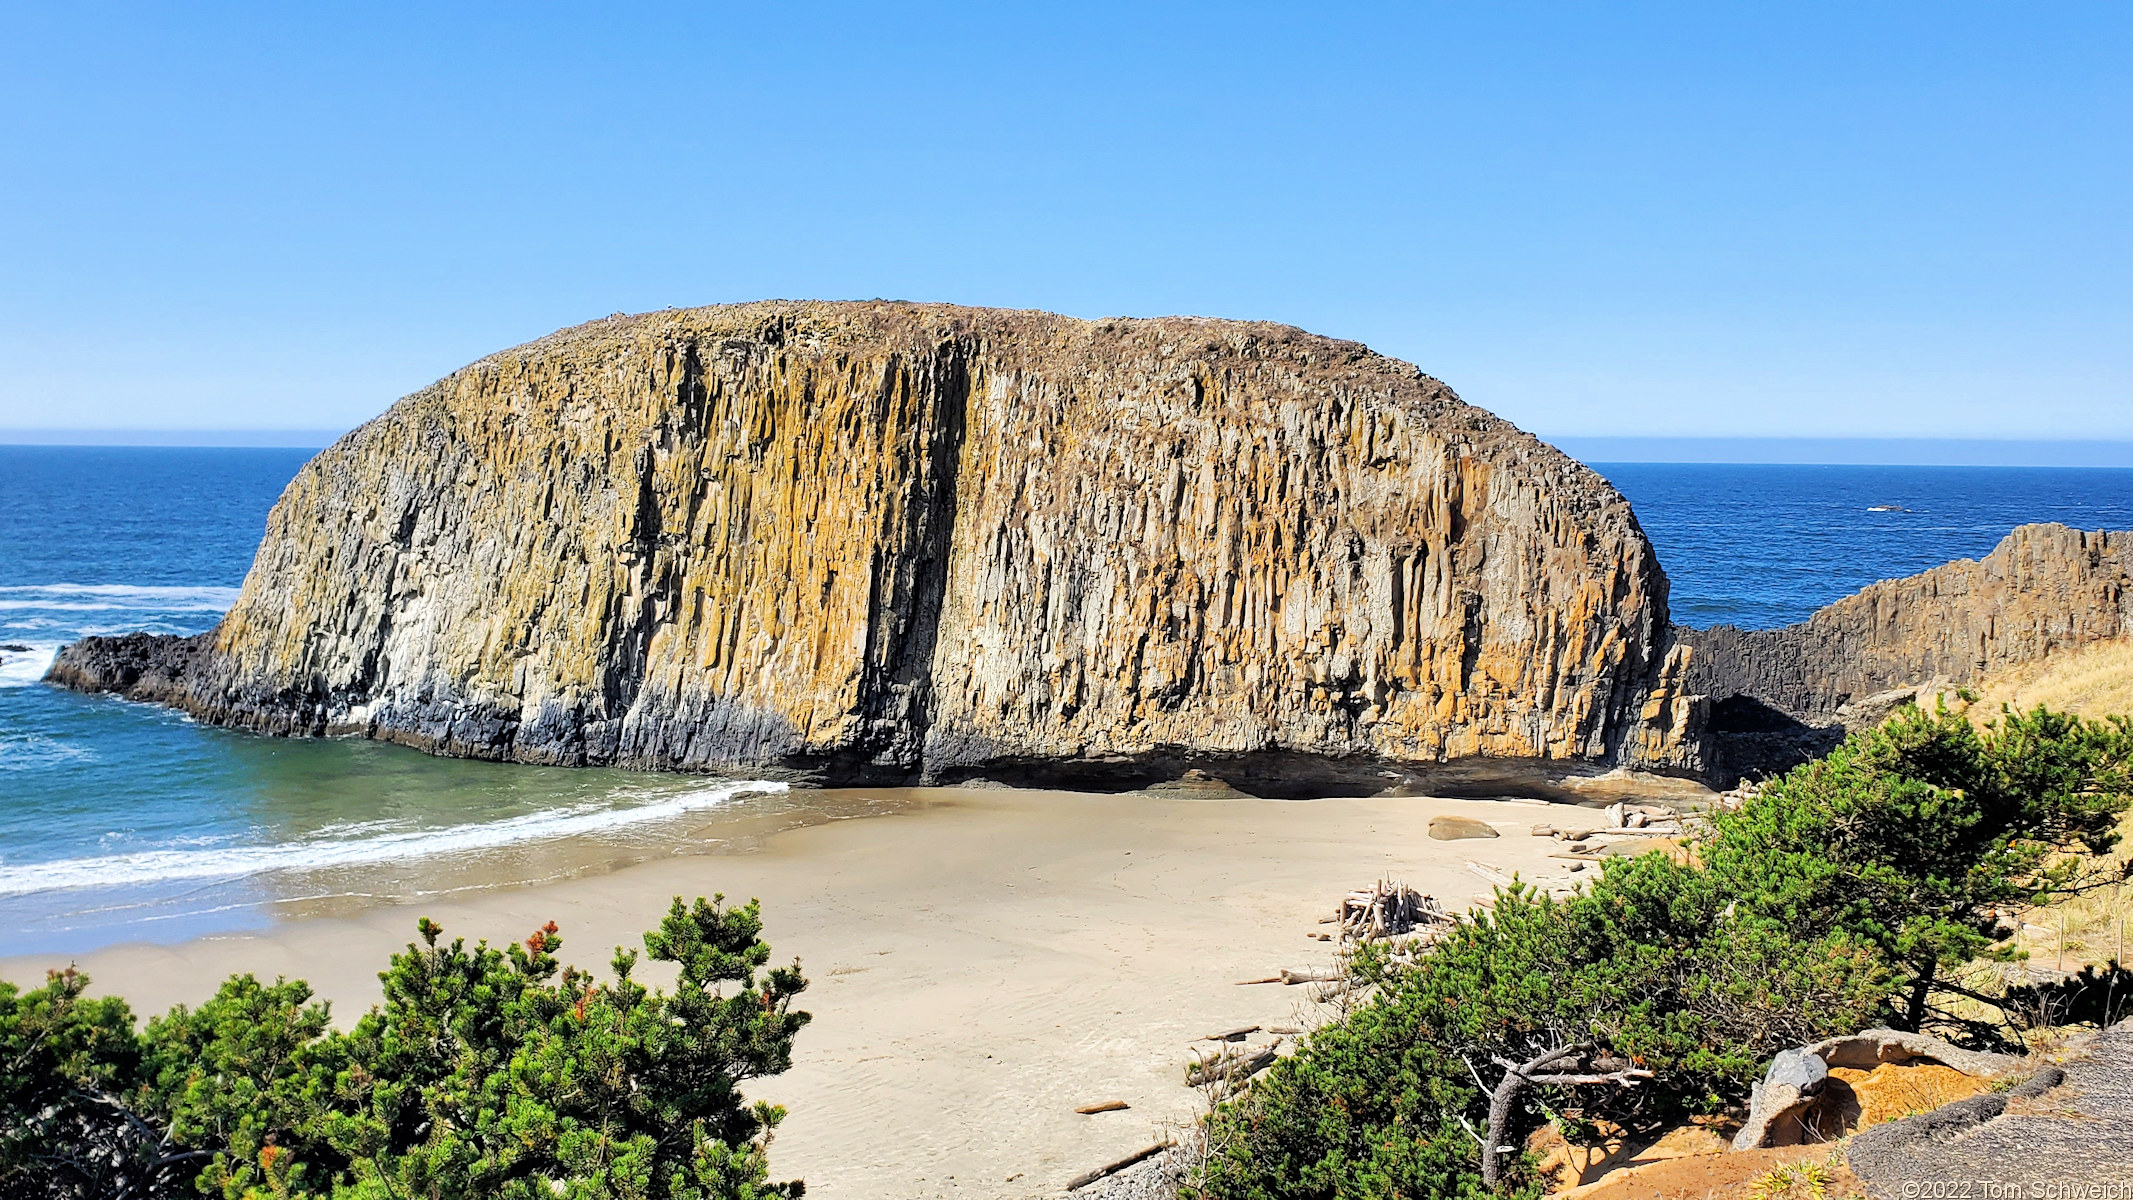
(1764, 546)
(121, 821)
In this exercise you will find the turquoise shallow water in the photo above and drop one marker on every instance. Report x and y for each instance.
(120, 821)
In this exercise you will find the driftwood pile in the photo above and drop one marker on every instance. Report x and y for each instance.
(1234, 1062)
(1388, 909)
(1741, 793)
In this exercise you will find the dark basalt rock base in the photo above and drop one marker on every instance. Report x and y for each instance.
(138, 666)
(181, 672)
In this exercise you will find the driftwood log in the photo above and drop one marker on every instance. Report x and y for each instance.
(1534, 1072)
(1090, 1110)
(1656, 819)
(1110, 1169)
(1495, 875)
(1334, 988)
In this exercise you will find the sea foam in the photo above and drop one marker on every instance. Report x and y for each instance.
(234, 862)
(109, 597)
(45, 616)
(19, 668)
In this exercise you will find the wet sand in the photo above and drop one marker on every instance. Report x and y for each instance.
(983, 961)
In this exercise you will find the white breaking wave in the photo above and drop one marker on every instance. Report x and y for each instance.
(235, 862)
(18, 669)
(107, 597)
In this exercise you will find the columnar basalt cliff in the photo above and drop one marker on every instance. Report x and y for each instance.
(1779, 696)
(895, 541)
(2043, 589)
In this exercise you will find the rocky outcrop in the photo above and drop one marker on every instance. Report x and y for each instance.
(897, 541)
(2044, 589)
(143, 666)
(2061, 1132)
(1782, 1107)
(1779, 697)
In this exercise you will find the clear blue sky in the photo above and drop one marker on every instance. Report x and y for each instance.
(1711, 219)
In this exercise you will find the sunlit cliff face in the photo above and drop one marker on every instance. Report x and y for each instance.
(903, 541)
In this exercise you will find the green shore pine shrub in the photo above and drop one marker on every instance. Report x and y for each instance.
(1647, 964)
(69, 1065)
(1918, 836)
(1835, 900)
(484, 1073)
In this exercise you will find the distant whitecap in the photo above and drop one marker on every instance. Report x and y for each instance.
(107, 597)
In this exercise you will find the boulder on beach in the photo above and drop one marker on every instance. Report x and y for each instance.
(1452, 829)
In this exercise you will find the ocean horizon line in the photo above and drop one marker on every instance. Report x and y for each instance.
(1849, 451)
(204, 439)
(1613, 448)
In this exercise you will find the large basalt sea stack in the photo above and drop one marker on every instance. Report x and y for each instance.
(881, 541)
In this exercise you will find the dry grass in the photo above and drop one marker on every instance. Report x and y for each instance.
(2095, 681)
(2092, 929)
(1797, 1181)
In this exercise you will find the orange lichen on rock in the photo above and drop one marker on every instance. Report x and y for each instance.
(881, 540)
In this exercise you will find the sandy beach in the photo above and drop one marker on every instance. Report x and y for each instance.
(983, 961)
